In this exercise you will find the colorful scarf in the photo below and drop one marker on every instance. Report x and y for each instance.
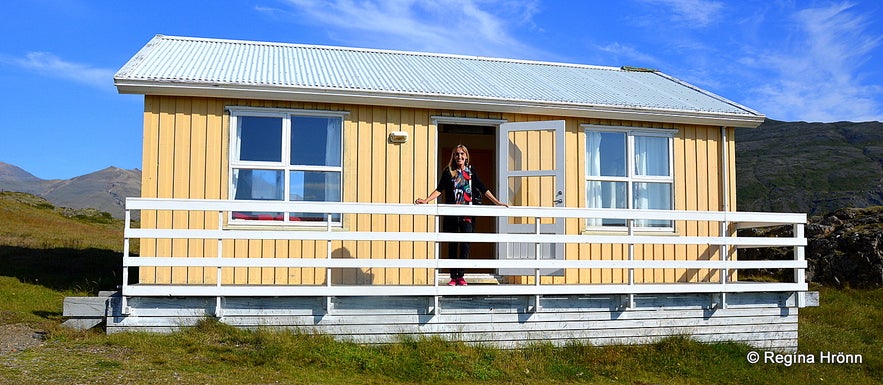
(462, 182)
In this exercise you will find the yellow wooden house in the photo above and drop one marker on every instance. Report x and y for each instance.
(282, 176)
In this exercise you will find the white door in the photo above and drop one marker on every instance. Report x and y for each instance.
(531, 163)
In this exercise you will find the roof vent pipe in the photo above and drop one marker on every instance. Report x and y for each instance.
(637, 69)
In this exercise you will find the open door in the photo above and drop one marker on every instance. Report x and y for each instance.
(481, 141)
(531, 173)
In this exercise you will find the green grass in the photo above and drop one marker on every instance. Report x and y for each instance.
(30, 222)
(33, 287)
(39, 244)
(216, 353)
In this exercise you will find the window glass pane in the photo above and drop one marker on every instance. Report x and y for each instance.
(314, 186)
(260, 138)
(258, 185)
(653, 196)
(605, 153)
(315, 141)
(651, 156)
(606, 195)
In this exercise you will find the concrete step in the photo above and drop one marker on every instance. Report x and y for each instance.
(84, 313)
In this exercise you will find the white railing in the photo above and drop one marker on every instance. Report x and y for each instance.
(726, 221)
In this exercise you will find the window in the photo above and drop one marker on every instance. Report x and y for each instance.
(285, 155)
(629, 169)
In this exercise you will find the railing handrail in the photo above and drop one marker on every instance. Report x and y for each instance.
(462, 263)
(768, 219)
(432, 236)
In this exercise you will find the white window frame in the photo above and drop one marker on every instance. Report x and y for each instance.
(284, 164)
(630, 178)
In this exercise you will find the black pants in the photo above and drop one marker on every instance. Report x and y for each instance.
(458, 250)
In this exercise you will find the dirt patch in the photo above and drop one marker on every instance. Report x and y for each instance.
(17, 337)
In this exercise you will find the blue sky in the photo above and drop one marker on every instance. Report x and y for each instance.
(61, 117)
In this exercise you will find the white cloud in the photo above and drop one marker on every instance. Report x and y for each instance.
(629, 53)
(450, 26)
(818, 78)
(690, 13)
(47, 64)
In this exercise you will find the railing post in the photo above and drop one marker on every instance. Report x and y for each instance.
(537, 247)
(800, 255)
(328, 256)
(725, 251)
(631, 272)
(218, 305)
(435, 275)
(328, 303)
(123, 300)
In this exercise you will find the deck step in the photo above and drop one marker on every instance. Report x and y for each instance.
(84, 313)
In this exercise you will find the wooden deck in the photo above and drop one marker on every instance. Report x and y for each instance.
(762, 320)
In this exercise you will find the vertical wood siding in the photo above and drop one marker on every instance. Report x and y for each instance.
(185, 155)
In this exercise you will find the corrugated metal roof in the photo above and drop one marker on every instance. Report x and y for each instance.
(168, 62)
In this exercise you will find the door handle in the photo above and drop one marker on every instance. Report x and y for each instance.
(560, 199)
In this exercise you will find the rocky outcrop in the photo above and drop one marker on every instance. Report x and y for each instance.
(844, 249)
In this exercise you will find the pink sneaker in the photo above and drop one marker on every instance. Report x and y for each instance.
(461, 282)
(453, 282)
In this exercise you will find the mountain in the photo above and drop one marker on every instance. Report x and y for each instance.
(814, 168)
(105, 190)
(13, 178)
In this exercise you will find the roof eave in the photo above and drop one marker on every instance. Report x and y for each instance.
(749, 120)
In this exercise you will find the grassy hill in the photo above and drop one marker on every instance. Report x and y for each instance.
(63, 249)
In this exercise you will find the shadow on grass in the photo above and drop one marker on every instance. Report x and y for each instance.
(47, 314)
(63, 269)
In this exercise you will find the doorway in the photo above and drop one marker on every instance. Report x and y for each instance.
(481, 140)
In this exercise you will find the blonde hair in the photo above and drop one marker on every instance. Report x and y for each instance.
(452, 164)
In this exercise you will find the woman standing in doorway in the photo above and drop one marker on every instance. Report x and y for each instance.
(459, 183)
